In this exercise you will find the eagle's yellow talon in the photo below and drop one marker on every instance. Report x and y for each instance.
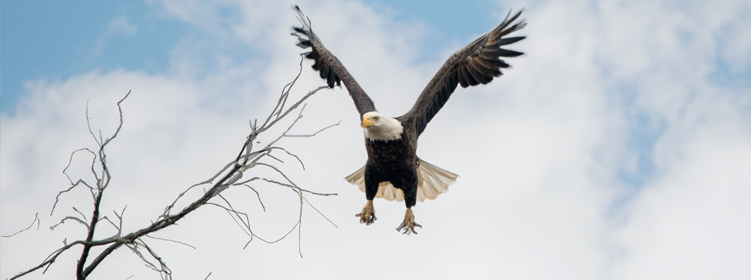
(409, 223)
(367, 215)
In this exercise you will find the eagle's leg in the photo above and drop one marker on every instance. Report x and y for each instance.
(410, 199)
(367, 215)
(409, 223)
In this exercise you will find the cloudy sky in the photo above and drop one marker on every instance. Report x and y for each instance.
(618, 147)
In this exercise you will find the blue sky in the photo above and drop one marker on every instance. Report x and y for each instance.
(617, 147)
(59, 39)
(56, 40)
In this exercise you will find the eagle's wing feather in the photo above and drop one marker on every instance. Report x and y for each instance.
(329, 66)
(477, 63)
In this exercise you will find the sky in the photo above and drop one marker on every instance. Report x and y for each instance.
(617, 147)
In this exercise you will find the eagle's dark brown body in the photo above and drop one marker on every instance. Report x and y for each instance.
(394, 161)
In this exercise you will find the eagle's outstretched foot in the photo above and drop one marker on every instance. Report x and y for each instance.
(367, 215)
(409, 223)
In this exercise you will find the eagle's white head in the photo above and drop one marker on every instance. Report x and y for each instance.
(380, 127)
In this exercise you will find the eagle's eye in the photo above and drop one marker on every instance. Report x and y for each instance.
(375, 118)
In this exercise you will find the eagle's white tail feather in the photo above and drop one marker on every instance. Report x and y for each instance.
(431, 182)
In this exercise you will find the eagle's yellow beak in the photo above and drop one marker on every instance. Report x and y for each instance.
(367, 122)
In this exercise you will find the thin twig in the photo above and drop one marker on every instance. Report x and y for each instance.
(57, 198)
(70, 218)
(293, 186)
(88, 124)
(167, 272)
(36, 220)
(111, 223)
(245, 223)
(170, 240)
(314, 133)
(79, 212)
(235, 215)
(290, 154)
(257, 195)
(319, 212)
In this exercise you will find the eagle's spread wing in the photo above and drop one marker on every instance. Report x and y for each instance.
(475, 64)
(329, 66)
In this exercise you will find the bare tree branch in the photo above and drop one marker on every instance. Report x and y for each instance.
(229, 175)
(101, 185)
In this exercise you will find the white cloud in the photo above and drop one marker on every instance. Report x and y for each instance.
(539, 150)
(117, 26)
(122, 25)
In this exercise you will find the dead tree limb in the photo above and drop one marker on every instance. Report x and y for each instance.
(248, 157)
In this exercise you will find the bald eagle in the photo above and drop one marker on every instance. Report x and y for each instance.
(393, 170)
